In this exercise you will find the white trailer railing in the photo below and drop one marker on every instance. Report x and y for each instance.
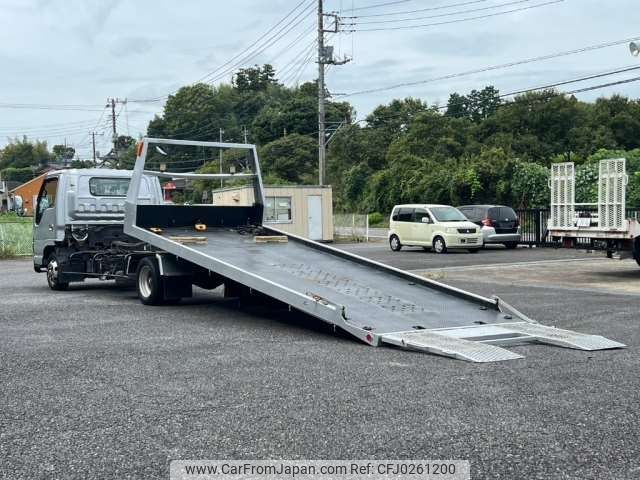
(611, 206)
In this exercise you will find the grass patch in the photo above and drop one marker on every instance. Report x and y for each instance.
(15, 239)
(13, 218)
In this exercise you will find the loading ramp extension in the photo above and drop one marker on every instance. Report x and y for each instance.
(376, 303)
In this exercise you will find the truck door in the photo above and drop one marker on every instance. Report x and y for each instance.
(44, 231)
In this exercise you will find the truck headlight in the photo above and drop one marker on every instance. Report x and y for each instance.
(451, 230)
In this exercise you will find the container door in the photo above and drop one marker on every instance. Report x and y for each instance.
(314, 209)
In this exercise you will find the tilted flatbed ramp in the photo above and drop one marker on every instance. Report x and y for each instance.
(376, 303)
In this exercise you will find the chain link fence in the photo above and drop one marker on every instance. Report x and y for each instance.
(15, 239)
(351, 227)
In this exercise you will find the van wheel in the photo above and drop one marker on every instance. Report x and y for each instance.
(149, 282)
(394, 243)
(53, 269)
(439, 245)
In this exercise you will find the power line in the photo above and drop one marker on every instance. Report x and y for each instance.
(581, 79)
(290, 67)
(529, 90)
(306, 32)
(272, 41)
(430, 9)
(448, 14)
(298, 73)
(493, 67)
(381, 5)
(460, 20)
(33, 106)
(238, 55)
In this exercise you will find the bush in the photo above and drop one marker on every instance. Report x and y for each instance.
(376, 218)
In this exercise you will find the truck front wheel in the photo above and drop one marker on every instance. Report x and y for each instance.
(53, 271)
(149, 282)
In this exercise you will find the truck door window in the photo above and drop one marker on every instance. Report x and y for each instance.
(46, 197)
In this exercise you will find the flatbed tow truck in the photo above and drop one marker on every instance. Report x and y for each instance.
(377, 304)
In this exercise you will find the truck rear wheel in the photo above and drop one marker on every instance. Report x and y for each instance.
(53, 270)
(149, 282)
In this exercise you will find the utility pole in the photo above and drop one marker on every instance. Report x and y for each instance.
(325, 57)
(221, 181)
(321, 95)
(93, 141)
(246, 134)
(111, 103)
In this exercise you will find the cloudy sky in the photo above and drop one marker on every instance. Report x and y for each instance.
(62, 59)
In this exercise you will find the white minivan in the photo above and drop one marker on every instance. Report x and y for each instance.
(432, 227)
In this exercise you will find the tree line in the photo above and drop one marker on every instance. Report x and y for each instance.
(478, 148)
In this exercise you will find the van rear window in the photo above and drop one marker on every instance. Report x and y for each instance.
(109, 187)
(502, 213)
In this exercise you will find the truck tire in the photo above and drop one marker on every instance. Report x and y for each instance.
(636, 250)
(53, 268)
(149, 282)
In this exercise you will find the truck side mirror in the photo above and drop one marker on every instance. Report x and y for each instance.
(426, 220)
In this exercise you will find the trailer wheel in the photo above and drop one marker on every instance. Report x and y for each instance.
(149, 282)
(53, 269)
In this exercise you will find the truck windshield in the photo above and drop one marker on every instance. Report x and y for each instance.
(448, 214)
(109, 187)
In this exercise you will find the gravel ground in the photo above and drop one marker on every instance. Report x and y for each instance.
(95, 385)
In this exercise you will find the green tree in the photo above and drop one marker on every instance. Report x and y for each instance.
(255, 78)
(63, 153)
(292, 159)
(20, 153)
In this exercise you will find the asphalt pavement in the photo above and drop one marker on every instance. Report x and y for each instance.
(96, 385)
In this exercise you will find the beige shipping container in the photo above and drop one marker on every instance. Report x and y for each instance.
(301, 210)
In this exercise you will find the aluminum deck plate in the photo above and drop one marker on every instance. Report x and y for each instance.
(376, 300)
(563, 338)
(442, 344)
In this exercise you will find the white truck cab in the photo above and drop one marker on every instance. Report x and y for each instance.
(433, 227)
(83, 207)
